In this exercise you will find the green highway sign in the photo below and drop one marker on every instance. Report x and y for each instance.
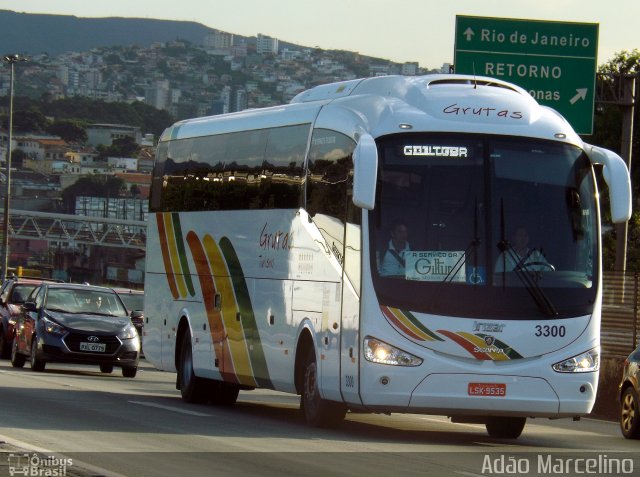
(554, 61)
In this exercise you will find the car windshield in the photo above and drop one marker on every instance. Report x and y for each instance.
(84, 301)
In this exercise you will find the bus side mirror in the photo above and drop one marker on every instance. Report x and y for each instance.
(365, 172)
(616, 175)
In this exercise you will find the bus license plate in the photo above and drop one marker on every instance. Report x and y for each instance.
(487, 389)
(93, 347)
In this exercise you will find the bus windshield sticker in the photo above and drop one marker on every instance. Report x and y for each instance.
(435, 266)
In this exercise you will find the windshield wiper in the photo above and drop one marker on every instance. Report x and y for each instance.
(462, 260)
(474, 243)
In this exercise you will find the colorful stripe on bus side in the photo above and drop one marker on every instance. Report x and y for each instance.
(225, 295)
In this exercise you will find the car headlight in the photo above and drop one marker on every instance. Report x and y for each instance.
(380, 352)
(587, 362)
(53, 328)
(128, 332)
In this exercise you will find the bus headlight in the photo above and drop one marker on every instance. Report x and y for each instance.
(380, 352)
(586, 362)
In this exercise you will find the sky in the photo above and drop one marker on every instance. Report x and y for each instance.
(398, 30)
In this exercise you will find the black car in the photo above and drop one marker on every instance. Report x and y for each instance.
(629, 391)
(75, 324)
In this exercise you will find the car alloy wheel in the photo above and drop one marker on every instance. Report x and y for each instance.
(630, 414)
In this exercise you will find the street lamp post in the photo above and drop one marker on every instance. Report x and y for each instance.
(11, 60)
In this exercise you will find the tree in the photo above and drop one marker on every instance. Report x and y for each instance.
(29, 120)
(91, 186)
(121, 147)
(31, 114)
(69, 130)
(623, 62)
(608, 133)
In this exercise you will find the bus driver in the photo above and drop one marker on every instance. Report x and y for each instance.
(393, 260)
(518, 256)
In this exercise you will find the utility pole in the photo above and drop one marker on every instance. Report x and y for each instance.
(627, 104)
(11, 60)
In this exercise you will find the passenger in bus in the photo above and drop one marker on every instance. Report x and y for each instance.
(393, 261)
(517, 255)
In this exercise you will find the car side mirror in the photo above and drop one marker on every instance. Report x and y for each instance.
(29, 306)
(137, 314)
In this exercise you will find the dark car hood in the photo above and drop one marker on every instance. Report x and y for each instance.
(88, 322)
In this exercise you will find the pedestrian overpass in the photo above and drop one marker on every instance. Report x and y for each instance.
(76, 229)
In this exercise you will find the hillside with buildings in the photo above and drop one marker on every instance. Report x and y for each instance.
(178, 69)
(198, 72)
(181, 67)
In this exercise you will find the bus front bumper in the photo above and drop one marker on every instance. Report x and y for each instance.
(487, 394)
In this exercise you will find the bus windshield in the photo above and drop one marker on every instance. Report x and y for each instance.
(484, 226)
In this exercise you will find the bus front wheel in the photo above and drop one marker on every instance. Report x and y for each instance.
(505, 427)
(192, 388)
(224, 394)
(318, 412)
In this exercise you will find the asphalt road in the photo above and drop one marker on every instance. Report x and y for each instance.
(111, 425)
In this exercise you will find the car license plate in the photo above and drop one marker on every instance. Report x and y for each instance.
(487, 389)
(93, 347)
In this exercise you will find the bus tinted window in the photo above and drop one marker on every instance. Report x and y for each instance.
(329, 175)
(259, 169)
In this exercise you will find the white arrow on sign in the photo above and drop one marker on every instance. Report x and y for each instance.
(582, 94)
(469, 33)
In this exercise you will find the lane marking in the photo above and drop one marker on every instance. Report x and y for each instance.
(171, 408)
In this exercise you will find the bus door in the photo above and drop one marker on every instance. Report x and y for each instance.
(350, 315)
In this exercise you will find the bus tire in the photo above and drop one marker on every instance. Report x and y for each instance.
(192, 388)
(505, 427)
(224, 394)
(318, 412)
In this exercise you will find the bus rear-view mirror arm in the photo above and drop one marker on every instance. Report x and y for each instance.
(365, 174)
(616, 175)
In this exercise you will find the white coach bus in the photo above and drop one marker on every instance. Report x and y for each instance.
(423, 244)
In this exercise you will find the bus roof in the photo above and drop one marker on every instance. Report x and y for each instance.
(392, 104)
(249, 119)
